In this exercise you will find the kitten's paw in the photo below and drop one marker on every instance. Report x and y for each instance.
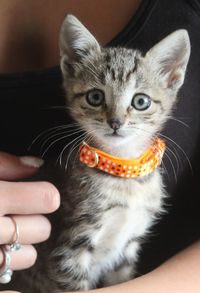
(120, 275)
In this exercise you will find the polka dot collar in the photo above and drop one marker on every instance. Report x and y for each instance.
(122, 167)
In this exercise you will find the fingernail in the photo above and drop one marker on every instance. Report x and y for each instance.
(31, 161)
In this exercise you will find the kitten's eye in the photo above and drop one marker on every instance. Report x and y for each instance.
(95, 97)
(141, 102)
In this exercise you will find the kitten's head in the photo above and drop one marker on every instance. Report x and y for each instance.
(116, 94)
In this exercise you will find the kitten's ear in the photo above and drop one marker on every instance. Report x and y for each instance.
(169, 58)
(75, 39)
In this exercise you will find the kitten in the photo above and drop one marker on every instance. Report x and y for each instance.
(121, 99)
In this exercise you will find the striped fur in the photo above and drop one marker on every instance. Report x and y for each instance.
(103, 219)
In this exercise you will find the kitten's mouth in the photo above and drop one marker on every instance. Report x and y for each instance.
(114, 134)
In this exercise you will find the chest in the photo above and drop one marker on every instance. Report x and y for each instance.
(119, 225)
(128, 208)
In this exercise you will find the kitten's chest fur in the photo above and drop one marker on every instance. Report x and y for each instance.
(112, 213)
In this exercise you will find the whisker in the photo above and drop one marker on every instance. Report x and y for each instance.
(50, 130)
(172, 141)
(87, 138)
(176, 159)
(54, 142)
(174, 171)
(68, 133)
(75, 145)
(178, 120)
(87, 133)
(66, 146)
(165, 170)
(180, 148)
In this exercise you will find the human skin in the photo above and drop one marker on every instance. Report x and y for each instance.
(29, 40)
(25, 202)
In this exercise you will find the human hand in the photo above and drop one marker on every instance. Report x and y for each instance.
(24, 203)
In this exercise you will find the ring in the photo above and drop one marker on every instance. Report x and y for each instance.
(15, 245)
(5, 271)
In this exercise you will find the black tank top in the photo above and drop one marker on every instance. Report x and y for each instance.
(27, 102)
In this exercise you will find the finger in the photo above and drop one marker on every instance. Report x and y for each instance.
(21, 259)
(32, 229)
(13, 168)
(9, 291)
(28, 198)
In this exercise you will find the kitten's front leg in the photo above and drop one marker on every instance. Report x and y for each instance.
(121, 274)
(70, 269)
(126, 270)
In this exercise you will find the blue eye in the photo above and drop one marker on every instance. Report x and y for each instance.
(95, 97)
(141, 102)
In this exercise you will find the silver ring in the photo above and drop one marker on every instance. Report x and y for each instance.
(15, 245)
(5, 271)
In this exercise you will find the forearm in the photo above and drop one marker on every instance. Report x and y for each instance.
(179, 274)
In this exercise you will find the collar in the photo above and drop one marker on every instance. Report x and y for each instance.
(122, 167)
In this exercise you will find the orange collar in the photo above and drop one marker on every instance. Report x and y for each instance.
(122, 167)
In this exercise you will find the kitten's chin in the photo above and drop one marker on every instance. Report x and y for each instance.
(127, 146)
(115, 140)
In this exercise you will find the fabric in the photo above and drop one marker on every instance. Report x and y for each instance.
(28, 107)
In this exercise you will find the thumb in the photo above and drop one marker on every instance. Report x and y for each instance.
(13, 167)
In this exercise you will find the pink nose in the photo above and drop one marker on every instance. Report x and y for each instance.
(115, 124)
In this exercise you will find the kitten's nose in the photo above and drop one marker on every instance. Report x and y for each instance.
(115, 124)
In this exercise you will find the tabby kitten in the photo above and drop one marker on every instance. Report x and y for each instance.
(121, 99)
